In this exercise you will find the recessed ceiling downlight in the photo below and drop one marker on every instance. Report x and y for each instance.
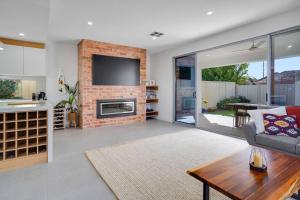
(90, 23)
(290, 46)
(21, 34)
(156, 35)
(210, 12)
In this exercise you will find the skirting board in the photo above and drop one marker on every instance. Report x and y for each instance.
(13, 164)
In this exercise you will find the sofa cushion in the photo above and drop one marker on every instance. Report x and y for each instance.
(298, 149)
(282, 143)
(257, 116)
(294, 110)
(281, 125)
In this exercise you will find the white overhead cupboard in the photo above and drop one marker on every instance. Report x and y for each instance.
(11, 60)
(34, 61)
(22, 60)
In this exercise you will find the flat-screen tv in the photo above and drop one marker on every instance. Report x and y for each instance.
(185, 73)
(109, 70)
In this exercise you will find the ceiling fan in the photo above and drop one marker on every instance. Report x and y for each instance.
(253, 47)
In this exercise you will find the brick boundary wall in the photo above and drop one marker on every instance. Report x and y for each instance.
(88, 93)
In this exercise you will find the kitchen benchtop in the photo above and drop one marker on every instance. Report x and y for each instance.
(23, 105)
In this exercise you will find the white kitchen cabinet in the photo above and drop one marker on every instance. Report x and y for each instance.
(11, 60)
(34, 61)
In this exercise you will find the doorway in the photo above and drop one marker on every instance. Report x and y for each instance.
(185, 90)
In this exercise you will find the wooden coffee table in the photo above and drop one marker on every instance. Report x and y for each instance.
(232, 177)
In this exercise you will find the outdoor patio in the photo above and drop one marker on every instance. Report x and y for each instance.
(219, 119)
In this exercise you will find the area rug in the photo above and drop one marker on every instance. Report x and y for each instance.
(155, 168)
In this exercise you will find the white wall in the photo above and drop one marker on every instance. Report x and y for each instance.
(162, 63)
(64, 55)
(60, 55)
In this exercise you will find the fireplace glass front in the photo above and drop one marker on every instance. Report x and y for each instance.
(116, 108)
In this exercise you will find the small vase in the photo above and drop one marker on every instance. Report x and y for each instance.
(72, 118)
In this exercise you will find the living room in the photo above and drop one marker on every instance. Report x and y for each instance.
(149, 100)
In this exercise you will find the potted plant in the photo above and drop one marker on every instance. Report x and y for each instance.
(204, 109)
(71, 103)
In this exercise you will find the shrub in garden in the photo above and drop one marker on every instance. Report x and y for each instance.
(239, 99)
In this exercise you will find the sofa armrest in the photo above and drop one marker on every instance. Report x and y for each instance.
(250, 132)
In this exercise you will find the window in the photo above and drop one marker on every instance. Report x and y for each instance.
(285, 73)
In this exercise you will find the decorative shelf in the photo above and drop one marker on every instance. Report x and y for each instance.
(152, 87)
(151, 100)
(152, 113)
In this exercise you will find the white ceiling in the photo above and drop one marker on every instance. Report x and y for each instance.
(130, 22)
(30, 17)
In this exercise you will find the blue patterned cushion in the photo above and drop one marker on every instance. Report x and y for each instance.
(281, 125)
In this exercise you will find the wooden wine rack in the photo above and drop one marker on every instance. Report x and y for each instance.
(58, 118)
(23, 138)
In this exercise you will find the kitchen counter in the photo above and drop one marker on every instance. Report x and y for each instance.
(14, 106)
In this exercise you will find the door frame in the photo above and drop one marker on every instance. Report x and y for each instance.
(198, 79)
(175, 87)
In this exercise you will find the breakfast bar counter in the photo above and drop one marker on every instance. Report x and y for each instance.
(26, 134)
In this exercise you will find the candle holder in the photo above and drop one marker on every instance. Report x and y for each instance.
(257, 161)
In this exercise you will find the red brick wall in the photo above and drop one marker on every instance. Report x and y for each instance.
(89, 93)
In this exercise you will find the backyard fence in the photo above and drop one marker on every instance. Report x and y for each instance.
(215, 91)
(255, 93)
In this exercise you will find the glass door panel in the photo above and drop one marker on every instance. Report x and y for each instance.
(185, 89)
(232, 75)
(285, 79)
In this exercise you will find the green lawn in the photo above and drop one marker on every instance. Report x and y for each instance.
(229, 113)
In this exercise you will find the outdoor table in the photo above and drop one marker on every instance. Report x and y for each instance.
(245, 106)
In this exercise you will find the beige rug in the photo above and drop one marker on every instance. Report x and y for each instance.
(155, 168)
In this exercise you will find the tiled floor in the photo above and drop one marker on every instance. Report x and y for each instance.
(70, 176)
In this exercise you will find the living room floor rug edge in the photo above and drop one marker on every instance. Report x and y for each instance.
(155, 168)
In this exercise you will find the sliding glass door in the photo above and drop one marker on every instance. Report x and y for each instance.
(261, 71)
(285, 71)
(185, 89)
(231, 75)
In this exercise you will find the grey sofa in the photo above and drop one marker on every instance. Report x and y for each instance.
(282, 143)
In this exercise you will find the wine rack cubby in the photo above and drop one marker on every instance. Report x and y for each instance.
(23, 134)
(59, 118)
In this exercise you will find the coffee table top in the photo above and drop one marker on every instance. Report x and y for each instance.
(232, 177)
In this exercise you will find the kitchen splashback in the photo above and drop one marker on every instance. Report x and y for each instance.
(19, 87)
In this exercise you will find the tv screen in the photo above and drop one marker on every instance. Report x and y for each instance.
(109, 70)
(185, 73)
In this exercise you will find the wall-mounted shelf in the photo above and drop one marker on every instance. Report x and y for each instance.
(151, 101)
(152, 113)
(152, 87)
(22, 135)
